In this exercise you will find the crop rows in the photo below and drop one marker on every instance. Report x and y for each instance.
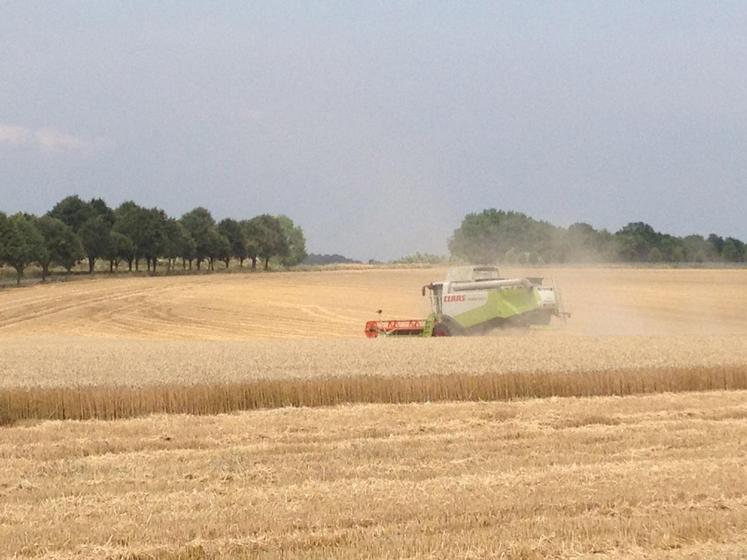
(115, 402)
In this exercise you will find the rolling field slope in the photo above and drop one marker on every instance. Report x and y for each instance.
(658, 476)
(335, 304)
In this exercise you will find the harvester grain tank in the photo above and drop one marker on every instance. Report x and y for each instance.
(475, 299)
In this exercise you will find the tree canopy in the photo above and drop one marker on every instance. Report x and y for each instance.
(23, 243)
(199, 223)
(76, 229)
(496, 235)
(268, 239)
(62, 246)
(296, 241)
(73, 211)
(234, 234)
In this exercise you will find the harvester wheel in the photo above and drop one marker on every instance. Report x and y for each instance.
(542, 317)
(440, 329)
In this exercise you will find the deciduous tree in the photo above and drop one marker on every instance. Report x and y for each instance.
(296, 242)
(94, 235)
(733, 250)
(218, 248)
(234, 233)
(486, 236)
(265, 239)
(23, 244)
(199, 223)
(120, 247)
(63, 246)
(73, 211)
(178, 243)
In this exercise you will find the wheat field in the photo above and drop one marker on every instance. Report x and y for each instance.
(576, 471)
(335, 304)
(108, 348)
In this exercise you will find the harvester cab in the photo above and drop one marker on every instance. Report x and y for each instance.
(473, 300)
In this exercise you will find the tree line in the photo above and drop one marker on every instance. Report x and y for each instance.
(76, 230)
(496, 235)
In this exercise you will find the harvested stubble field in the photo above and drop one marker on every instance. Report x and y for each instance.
(655, 476)
(658, 476)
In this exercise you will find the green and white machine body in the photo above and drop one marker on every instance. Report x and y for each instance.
(476, 298)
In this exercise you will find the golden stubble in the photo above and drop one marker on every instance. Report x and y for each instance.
(637, 477)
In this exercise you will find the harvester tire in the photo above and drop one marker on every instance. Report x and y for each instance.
(543, 317)
(440, 329)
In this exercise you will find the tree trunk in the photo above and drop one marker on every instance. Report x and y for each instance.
(91, 263)
(111, 266)
(129, 263)
(137, 264)
(254, 263)
(267, 263)
(199, 261)
(19, 275)
(226, 261)
(241, 262)
(45, 271)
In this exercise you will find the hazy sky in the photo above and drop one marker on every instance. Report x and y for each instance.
(377, 125)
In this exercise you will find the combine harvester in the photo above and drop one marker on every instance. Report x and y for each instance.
(474, 300)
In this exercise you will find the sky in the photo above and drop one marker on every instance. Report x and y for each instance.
(376, 126)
